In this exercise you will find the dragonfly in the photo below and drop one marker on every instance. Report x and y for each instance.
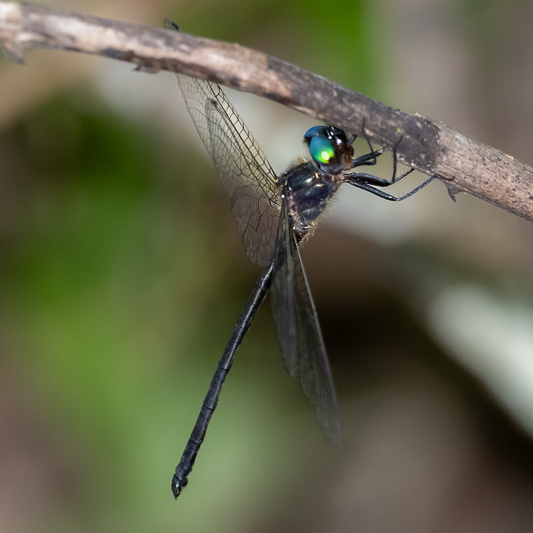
(276, 214)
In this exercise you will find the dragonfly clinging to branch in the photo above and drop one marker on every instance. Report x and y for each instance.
(275, 215)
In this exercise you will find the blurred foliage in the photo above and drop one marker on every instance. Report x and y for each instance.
(121, 276)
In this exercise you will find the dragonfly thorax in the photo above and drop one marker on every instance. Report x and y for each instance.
(308, 192)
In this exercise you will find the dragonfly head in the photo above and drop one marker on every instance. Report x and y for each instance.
(329, 148)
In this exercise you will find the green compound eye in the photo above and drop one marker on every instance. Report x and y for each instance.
(321, 149)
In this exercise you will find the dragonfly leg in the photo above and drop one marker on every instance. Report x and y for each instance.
(367, 159)
(369, 182)
(362, 181)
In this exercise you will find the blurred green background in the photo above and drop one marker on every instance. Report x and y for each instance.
(122, 275)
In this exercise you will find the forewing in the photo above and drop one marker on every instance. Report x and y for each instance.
(302, 345)
(282, 296)
(243, 168)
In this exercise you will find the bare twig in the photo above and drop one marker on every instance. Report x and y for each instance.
(431, 147)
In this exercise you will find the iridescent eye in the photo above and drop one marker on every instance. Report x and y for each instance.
(314, 131)
(328, 148)
(321, 149)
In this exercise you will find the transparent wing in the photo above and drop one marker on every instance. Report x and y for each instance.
(302, 346)
(243, 168)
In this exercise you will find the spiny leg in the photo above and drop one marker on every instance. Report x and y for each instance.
(369, 182)
(382, 194)
(366, 159)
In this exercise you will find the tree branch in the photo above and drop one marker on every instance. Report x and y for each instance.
(433, 148)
